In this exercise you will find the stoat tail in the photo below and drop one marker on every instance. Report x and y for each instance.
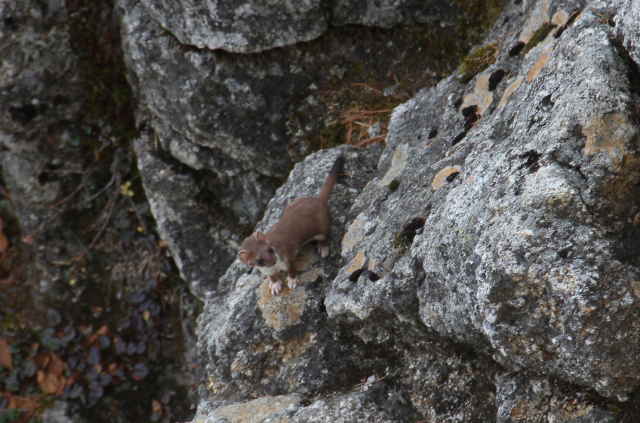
(325, 192)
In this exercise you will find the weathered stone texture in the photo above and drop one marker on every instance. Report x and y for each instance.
(387, 13)
(521, 249)
(484, 264)
(241, 26)
(502, 216)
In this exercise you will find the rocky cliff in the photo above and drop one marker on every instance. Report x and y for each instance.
(487, 270)
(485, 259)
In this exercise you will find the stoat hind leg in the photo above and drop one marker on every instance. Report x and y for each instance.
(323, 244)
(323, 249)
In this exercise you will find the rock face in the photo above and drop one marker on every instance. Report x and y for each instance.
(387, 13)
(628, 20)
(240, 26)
(218, 121)
(484, 264)
(494, 246)
(39, 89)
(522, 230)
(256, 26)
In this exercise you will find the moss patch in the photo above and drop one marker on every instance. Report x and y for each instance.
(477, 17)
(394, 185)
(403, 239)
(538, 36)
(478, 60)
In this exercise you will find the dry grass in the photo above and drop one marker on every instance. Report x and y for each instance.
(359, 123)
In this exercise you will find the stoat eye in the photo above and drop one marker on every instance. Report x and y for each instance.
(260, 261)
(270, 250)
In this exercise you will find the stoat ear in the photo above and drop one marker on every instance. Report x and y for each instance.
(261, 237)
(244, 256)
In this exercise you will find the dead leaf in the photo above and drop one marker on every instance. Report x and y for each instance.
(156, 407)
(112, 368)
(92, 339)
(50, 383)
(28, 405)
(50, 373)
(28, 239)
(6, 360)
(4, 242)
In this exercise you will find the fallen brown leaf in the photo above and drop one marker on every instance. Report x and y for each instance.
(4, 242)
(50, 372)
(156, 407)
(6, 360)
(28, 405)
(93, 338)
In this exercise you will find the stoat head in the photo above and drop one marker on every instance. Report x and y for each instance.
(256, 251)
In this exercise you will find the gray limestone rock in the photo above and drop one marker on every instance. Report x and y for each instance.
(372, 402)
(39, 91)
(259, 25)
(39, 83)
(527, 398)
(226, 123)
(240, 26)
(257, 410)
(249, 338)
(198, 239)
(209, 107)
(388, 13)
(484, 264)
(627, 21)
(244, 330)
(494, 247)
(523, 225)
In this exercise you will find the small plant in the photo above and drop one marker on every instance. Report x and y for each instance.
(10, 416)
(538, 36)
(478, 60)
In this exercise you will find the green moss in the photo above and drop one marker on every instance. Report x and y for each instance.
(10, 416)
(478, 60)
(332, 136)
(399, 242)
(404, 238)
(394, 185)
(477, 18)
(540, 34)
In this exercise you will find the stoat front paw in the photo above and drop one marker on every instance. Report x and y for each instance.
(292, 283)
(276, 287)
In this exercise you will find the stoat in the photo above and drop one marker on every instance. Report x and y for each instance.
(304, 220)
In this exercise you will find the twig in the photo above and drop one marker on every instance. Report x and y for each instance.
(111, 206)
(74, 192)
(114, 175)
(369, 87)
(371, 140)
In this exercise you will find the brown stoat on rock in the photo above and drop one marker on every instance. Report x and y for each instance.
(304, 220)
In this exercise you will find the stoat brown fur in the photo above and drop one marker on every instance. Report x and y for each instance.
(304, 220)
